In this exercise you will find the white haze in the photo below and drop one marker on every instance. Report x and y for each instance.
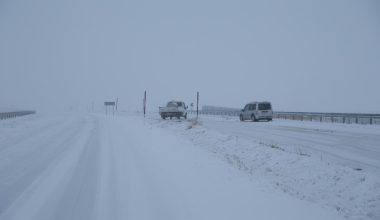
(300, 55)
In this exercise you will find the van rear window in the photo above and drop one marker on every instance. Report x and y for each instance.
(265, 106)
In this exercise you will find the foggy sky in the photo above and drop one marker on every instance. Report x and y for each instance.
(300, 55)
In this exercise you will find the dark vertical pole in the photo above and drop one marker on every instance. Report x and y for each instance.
(197, 103)
(117, 100)
(144, 103)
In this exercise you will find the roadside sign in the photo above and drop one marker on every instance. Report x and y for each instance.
(109, 103)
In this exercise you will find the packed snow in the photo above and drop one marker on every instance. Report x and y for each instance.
(93, 166)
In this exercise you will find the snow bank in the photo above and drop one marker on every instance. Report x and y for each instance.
(348, 189)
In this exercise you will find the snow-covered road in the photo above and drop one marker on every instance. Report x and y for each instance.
(357, 146)
(98, 167)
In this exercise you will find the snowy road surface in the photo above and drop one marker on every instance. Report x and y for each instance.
(353, 145)
(124, 167)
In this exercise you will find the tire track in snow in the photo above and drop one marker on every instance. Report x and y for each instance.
(37, 169)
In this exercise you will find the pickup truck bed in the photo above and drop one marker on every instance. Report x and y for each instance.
(173, 109)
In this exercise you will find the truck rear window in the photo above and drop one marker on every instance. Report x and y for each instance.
(265, 106)
(171, 104)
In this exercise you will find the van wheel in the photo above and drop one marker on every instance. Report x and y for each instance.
(241, 118)
(253, 118)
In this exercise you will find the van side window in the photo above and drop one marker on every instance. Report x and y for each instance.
(254, 107)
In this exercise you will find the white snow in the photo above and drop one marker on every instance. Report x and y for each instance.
(334, 165)
(89, 166)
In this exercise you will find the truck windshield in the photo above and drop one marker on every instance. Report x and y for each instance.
(264, 106)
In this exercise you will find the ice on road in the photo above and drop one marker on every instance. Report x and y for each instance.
(102, 167)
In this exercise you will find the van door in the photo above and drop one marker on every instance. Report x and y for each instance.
(252, 109)
(265, 109)
(246, 112)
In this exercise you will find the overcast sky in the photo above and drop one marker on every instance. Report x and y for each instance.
(300, 55)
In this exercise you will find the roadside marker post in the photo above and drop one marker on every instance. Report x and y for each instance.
(197, 103)
(144, 103)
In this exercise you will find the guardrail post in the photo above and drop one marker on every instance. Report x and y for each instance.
(370, 120)
(357, 120)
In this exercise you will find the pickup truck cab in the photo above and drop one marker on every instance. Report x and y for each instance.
(176, 109)
(256, 111)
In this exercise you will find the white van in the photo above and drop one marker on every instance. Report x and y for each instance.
(256, 111)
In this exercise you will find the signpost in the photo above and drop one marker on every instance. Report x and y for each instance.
(197, 102)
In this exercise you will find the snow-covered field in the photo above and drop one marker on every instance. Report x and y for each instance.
(92, 166)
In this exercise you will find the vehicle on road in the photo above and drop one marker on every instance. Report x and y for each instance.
(176, 109)
(256, 111)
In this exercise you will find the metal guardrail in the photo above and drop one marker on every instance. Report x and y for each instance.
(346, 118)
(6, 115)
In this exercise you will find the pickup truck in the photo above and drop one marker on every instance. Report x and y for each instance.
(176, 109)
